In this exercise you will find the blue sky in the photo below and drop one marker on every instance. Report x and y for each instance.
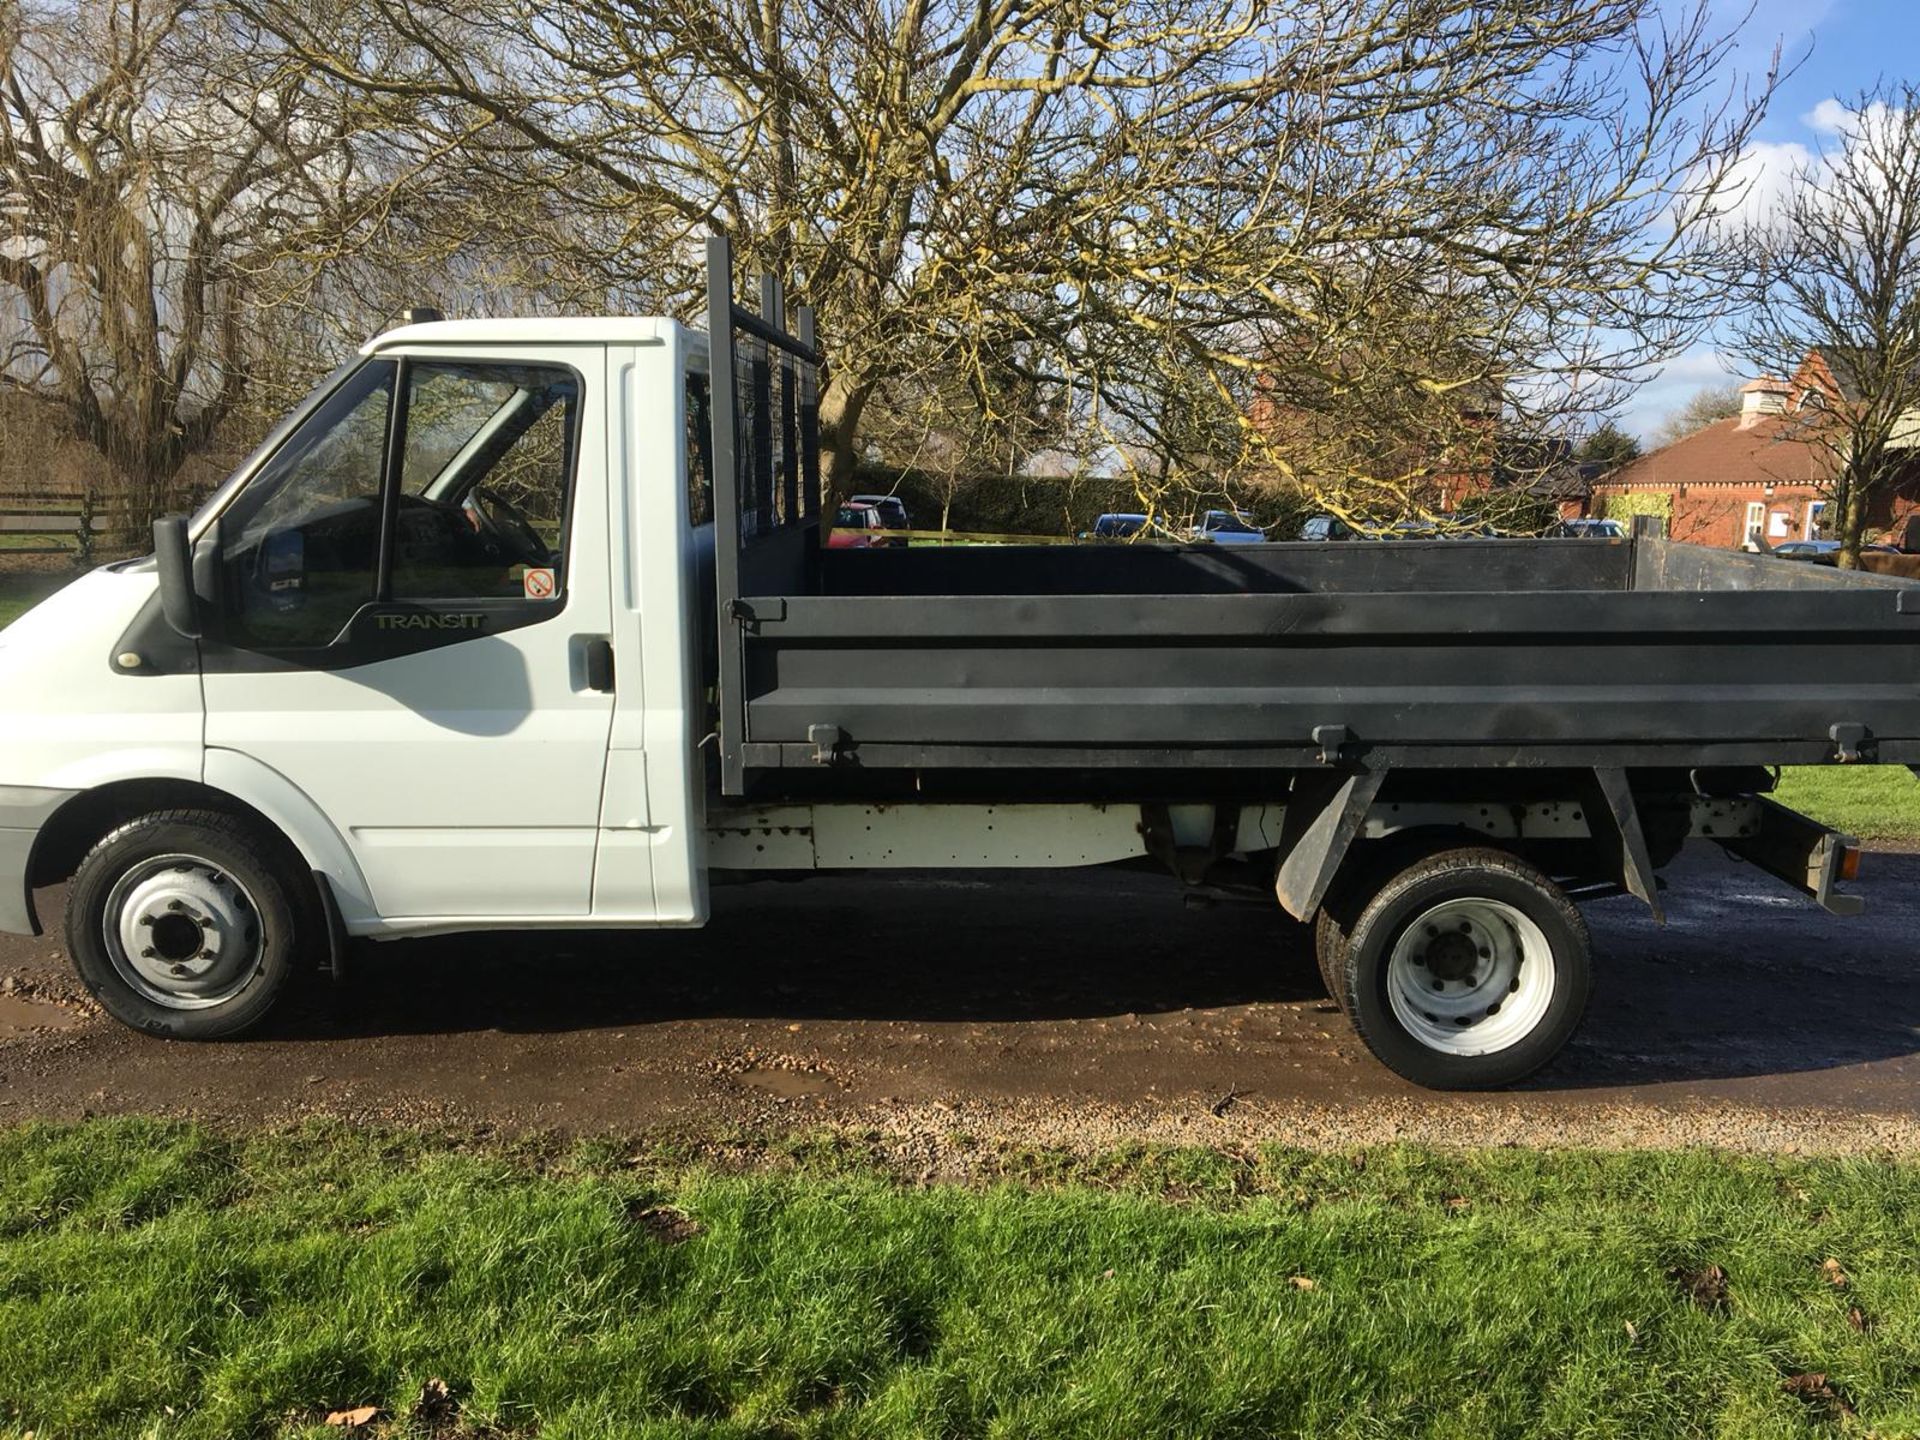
(1847, 45)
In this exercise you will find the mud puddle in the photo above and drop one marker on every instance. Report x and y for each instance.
(20, 1015)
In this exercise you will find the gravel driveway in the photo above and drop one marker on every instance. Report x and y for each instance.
(1087, 1009)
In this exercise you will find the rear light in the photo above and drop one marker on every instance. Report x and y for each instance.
(1850, 863)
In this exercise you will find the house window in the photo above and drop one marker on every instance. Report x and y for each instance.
(1780, 525)
(1816, 515)
(1756, 521)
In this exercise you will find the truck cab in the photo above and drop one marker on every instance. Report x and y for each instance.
(423, 589)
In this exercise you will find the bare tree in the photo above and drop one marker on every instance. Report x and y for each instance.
(1834, 274)
(1703, 408)
(1075, 183)
(173, 191)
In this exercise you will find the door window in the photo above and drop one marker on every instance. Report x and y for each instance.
(302, 541)
(483, 457)
(484, 482)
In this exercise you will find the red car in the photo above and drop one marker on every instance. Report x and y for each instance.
(856, 527)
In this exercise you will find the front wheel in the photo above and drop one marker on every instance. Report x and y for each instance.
(1467, 970)
(182, 923)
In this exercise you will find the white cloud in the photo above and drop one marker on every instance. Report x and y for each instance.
(1761, 179)
(1759, 182)
(1829, 117)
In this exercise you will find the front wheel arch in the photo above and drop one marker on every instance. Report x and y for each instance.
(89, 817)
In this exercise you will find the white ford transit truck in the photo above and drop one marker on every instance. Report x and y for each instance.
(528, 624)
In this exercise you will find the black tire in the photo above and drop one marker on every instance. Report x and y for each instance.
(1330, 951)
(232, 859)
(1539, 1023)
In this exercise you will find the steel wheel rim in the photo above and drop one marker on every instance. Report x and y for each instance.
(183, 932)
(1470, 976)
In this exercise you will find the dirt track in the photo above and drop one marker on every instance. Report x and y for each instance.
(1081, 1009)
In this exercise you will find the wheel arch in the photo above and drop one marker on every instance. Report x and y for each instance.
(250, 789)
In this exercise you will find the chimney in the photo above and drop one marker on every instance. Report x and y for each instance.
(1765, 396)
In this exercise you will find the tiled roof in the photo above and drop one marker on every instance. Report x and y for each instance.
(1565, 481)
(1724, 452)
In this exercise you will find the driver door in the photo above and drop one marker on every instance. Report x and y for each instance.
(412, 589)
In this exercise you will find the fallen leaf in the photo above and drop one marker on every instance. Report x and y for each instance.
(1812, 1387)
(1833, 1273)
(1300, 1282)
(1457, 1202)
(1857, 1318)
(353, 1419)
(1706, 1288)
(1633, 1335)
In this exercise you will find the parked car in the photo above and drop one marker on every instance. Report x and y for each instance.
(893, 514)
(1228, 527)
(1328, 528)
(1116, 527)
(1823, 552)
(1411, 530)
(857, 527)
(1587, 530)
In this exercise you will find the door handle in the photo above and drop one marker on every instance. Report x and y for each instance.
(599, 658)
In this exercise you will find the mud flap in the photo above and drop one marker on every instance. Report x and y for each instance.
(337, 940)
(1636, 867)
(1324, 813)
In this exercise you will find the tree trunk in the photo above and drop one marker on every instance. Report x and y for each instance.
(840, 407)
(1853, 525)
(142, 499)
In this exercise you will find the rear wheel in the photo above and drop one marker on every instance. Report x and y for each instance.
(183, 923)
(1466, 970)
(1330, 950)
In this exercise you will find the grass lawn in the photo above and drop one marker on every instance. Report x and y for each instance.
(159, 1280)
(1874, 802)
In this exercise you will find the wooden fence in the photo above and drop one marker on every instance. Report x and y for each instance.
(49, 523)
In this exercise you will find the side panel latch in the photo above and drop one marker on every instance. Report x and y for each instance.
(1850, 742)
(1331, 739)
(826, 741)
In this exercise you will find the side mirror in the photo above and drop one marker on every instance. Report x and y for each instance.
(174, 556)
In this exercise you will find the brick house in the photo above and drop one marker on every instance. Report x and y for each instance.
(1749, 473)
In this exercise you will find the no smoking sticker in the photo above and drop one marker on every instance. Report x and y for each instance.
(539, 584)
